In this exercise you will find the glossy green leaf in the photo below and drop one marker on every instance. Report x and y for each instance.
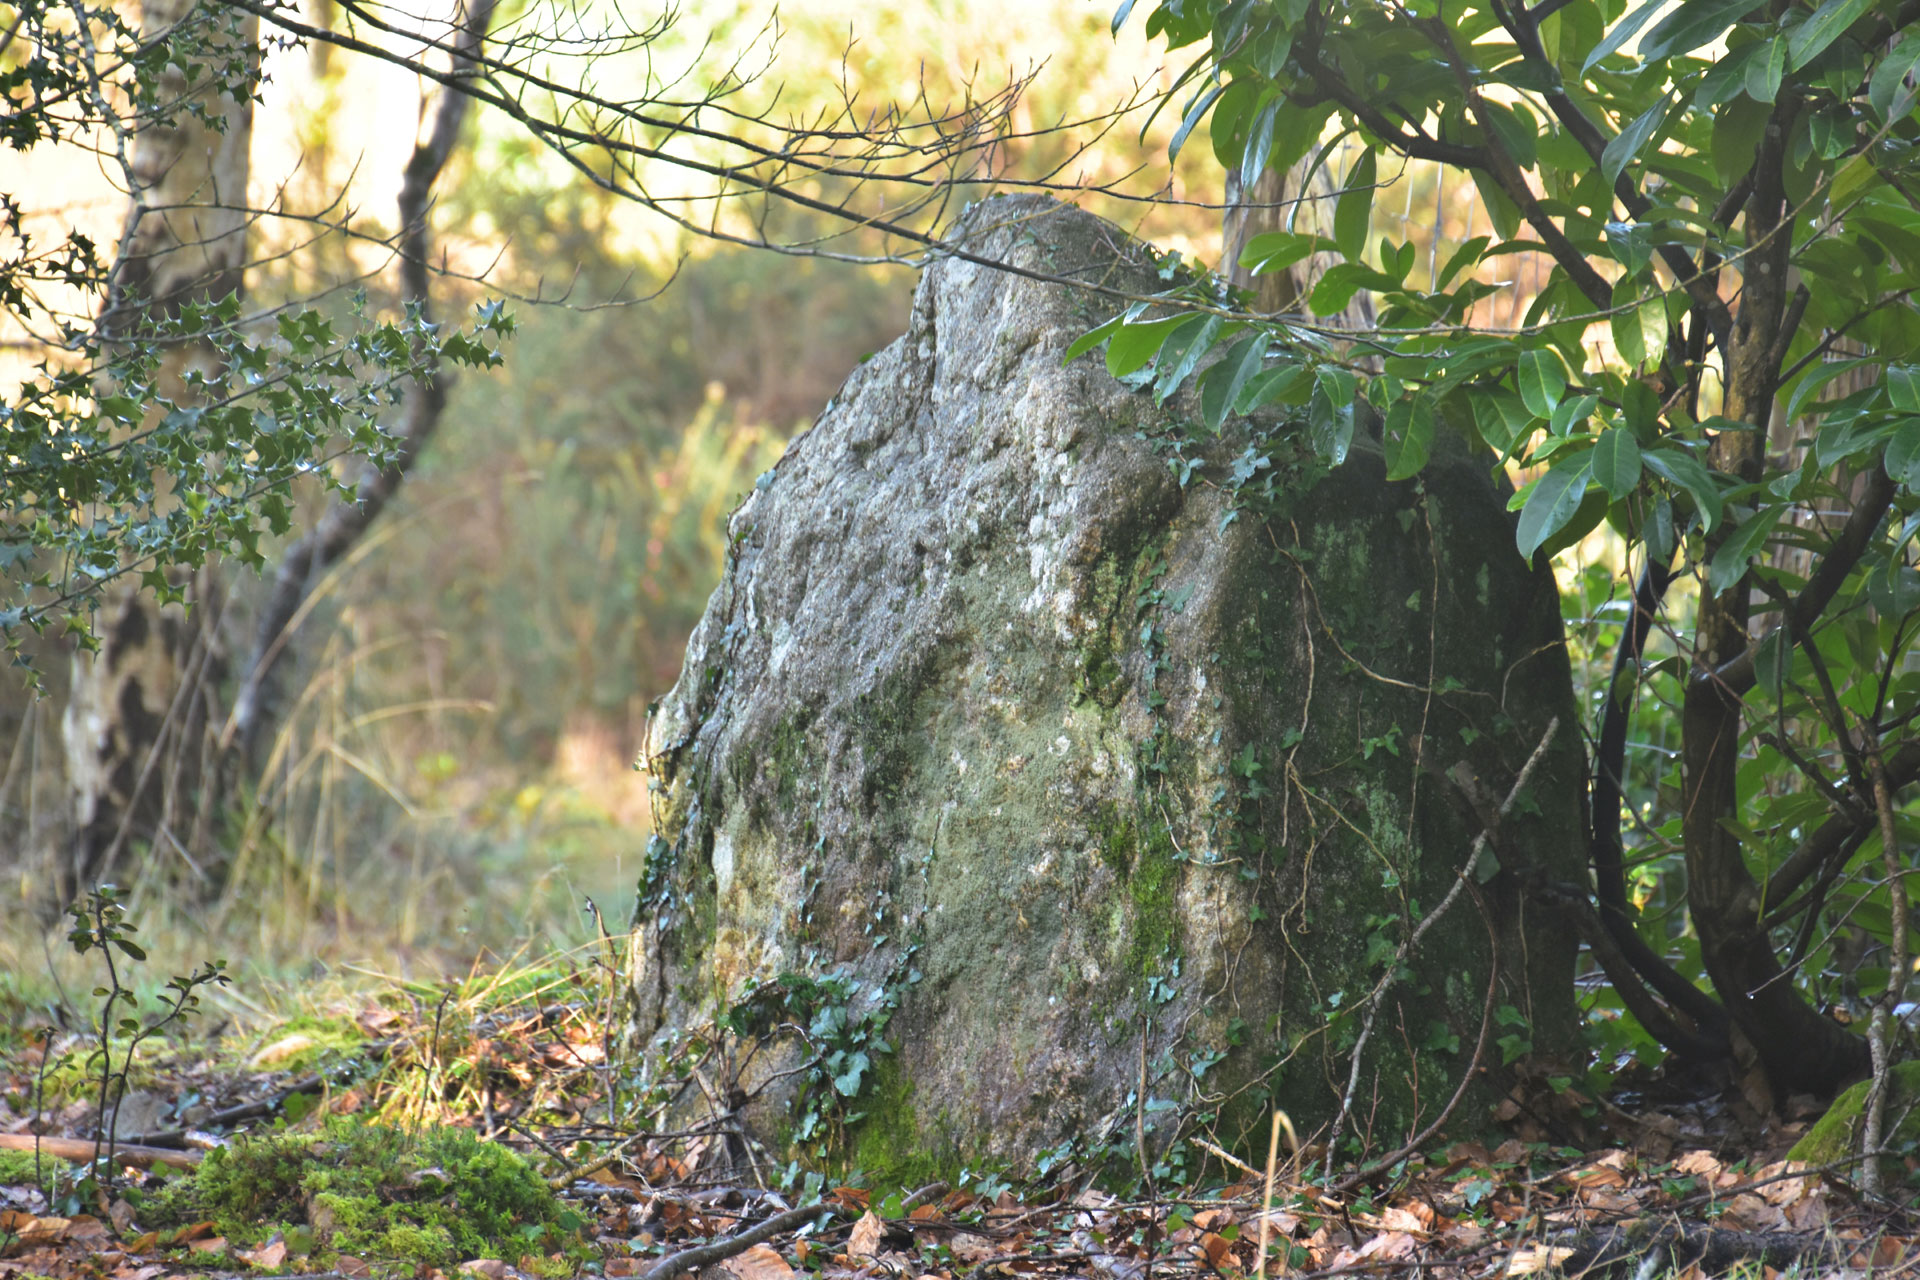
(1353, 213)
(1502, 418)
(1132, 345)
(1902, 459)
(1622, 150)
(1685, 472)
(1616, 462)
(1888, 92)
(1747, 540)
(1091, 339)
(1182, 354)
(1639, 328)
(1765, 71)
(1461, 258)
(1330, 415)
(1828, 23)
(1693, 24)
(1623, 31)
(1407, 438)
(1253, 161)
(1903, 387)
(1195, 114)
(1543, 380)
(1773, 662)
(1224, 382)
(1555, 498)
(1278, 250)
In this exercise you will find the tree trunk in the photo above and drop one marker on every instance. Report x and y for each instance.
(1286, 200)
(140, 766)
(1801, 1050)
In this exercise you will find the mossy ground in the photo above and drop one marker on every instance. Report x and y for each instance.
(433, 1197)
(17, 1168)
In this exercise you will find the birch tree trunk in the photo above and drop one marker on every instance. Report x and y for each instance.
(141, 766)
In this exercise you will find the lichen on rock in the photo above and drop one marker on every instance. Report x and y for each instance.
(1068, 750)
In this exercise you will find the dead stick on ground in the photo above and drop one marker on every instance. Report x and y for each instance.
(561, 1181)
(83, 1149)
(706, 1255)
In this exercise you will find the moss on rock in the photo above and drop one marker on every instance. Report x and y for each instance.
(1836, 1135)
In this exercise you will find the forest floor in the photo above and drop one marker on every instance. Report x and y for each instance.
(1685, 1187)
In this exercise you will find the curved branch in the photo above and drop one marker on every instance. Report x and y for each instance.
(1604, 849)
(1737, 675)
(256, 704)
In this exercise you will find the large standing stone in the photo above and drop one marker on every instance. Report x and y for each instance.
(998, 713)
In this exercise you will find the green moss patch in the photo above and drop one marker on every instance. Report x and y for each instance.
(1836, 1135)
(435, 1197)
(17, 1168)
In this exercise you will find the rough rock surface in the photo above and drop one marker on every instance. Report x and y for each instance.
(994, 714)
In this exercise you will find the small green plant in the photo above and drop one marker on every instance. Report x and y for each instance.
(100, 924)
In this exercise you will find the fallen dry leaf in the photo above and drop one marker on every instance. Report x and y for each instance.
(1406, 1220)
(759, 1263)
(267, 1257)
(1396, 1245)
(212, 1244)
(353, 1268)
(490, 1268)
(865, 1240)
(32, 1230)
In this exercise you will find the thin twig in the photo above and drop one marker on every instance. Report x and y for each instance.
(701, 1256)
